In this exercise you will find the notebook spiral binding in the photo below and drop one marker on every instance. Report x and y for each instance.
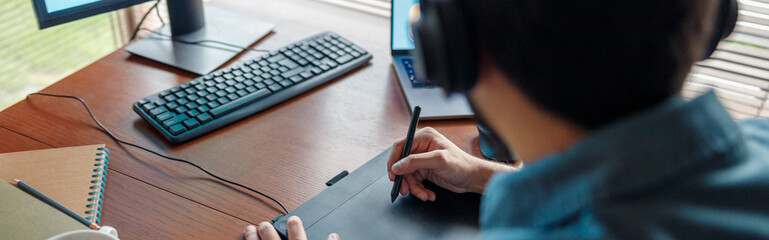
(99, 180)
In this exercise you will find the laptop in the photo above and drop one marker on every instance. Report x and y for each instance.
(419, 92)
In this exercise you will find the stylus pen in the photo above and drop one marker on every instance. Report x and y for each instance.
(406, 150)
(55, 204)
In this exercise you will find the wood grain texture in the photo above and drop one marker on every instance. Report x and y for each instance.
(140, 211)
(288, 151)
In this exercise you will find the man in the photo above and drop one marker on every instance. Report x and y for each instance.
(586, 93)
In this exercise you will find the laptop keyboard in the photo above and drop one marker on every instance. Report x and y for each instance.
(416, 83)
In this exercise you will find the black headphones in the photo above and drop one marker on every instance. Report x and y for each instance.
(445, 51)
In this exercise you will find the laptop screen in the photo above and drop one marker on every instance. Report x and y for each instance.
(402, 11)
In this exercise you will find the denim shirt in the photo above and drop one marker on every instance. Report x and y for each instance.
(682, 170)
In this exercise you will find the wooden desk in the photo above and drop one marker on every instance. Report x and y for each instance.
(288, 151)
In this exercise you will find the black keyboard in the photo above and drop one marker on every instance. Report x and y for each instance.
(218, 99)
(410, 71)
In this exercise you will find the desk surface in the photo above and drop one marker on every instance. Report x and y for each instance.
(288, 151)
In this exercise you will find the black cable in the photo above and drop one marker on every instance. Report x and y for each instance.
(156, 153)
(199, 42)
(136, 31)
(157, 11)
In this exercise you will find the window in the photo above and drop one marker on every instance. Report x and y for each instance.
(376, 7)
(31, 59)
(738, 72)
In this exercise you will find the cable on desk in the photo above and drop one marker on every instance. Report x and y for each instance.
(200, 42)
(159, 154)
(155, 7)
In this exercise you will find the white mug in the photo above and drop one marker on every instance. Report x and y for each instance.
(104, 233)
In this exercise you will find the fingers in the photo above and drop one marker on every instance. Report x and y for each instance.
(394, 156)
(250, 233)
(419, 190)
(333, 236)
(267, 232)
(295, 229)
(425, 140)
(412, 163)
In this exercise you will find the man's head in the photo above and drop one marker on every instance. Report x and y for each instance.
(588, 62)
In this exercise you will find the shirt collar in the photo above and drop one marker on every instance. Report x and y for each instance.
(627, 155)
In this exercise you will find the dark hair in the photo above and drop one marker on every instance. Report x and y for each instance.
(593, 61)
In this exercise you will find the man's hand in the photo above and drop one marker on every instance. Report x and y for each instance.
(435, 158)
(265, 231)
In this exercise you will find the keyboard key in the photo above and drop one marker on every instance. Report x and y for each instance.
(292, 72)
(203, 108)
(204, 118)
(275, 87)
(193, 112)
(172, 105)
(175, 120)
(237, 104)
(177, 129)
(170, 98)
(143, 101)
(158, 110)
(276, 58)
(260, 85)
(180, 110)
(306, 74)
(357, 49)
(344, 59)
(286, 83)
(165, 116)
(288, 63)
(191, 123)
(296, 79)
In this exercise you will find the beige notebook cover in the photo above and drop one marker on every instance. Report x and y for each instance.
(26, 217)
(73, 176)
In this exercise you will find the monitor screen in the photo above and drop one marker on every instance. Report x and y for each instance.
(404, 12)
(54, 12)
(58, 5)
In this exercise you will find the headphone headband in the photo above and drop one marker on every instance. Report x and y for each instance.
(446, 52)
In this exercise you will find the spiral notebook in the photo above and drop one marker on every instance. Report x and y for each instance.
(73, 176)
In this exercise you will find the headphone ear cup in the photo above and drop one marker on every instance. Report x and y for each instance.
(429, 52)
(726, 21)
(445, 53)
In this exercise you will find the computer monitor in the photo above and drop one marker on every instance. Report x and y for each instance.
(54, 12)
(189, 22)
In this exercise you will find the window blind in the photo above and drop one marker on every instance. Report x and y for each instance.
(376, 7)
(738, 72)
(31, 59)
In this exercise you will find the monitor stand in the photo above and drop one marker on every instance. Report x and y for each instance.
(202, 58)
